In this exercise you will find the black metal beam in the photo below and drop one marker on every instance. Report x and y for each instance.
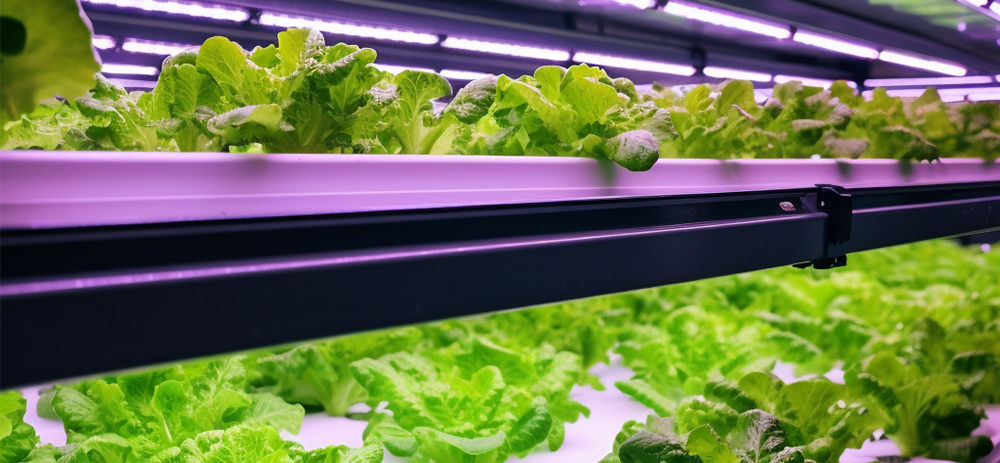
(108, 298)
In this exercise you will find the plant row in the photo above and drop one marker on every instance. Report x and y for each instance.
(303, 96)
(915, 328)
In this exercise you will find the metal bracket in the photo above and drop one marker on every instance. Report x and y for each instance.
(836, 202)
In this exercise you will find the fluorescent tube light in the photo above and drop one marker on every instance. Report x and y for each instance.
(925, 81)
(984, 97)
(631, 63)
(394, 69)
(913, 61)
(995, 7)
(510, 49)
(810, 81)
(730, 73)
(354, 30)
(153, 48)
(641, 4)
(727, 19)
(977, 3)
(103, 42)
(462, 75)
(835, 45)
(114, 68)
(134, 83)
(199, 10)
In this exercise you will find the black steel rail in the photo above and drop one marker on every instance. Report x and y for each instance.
(87, 300)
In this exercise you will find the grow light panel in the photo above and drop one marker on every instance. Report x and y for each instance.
(913, 61)
(641, 4)
(457, 74)
(199, 10)
(727, 19)
(835, 45)
(103, 42)
(153, 48)
(135, 83)
(925, 81)
(342, 28)
(115, 68)
(730, 73)
(631, 63)
(510, 49)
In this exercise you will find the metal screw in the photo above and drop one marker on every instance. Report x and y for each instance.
(787, 206)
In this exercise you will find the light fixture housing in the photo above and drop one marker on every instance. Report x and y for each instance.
(633, 63)
(342, 28)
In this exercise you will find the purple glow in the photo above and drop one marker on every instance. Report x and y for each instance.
(115, 68)
(925, 81)
(153, 48)
(355, 30)
(631, 63)
(510, 49)
(914, 61)
(727, 19)
(730, 73)
(199, 10)
(640, 4)
(457, 74)
(103, 42)
(835, 45)
(135, 83)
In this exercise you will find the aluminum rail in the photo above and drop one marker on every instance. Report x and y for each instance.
(88, 299)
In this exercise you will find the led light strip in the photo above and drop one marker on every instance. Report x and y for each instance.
(198, 10)
(153, 48)
(835, 45)
(810, 81)
(925, 81)
(730, 73)
(630, 63)
(499, 48)
(641, 4)
(134, 83)
(914, 61)
(727, 19)
(103, 42)
(980, 6)
(115, 68)
(354, 30)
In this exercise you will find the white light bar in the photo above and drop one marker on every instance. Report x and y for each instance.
(637, 64)
(199, 10)
(810, 81)
(730, 73)
(457, 74)
(394, 69)
(984, 97)
(103, 42)
(135, 83)
(153, 48)
(947, 94)
(641, 4)
(995, 7)
(510, 49)
(913, 61)
(113, 68)
(925, 81)
(835, 45)
(727, 19)
(354, 30)
(974, 2)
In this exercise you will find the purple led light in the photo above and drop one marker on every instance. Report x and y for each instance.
(641, 4)
(134, 83)
(510, 49)
(632, 63)
(919, 62)
(116, 68)
(200, 10)
(103, 42)
(342, 28)
(153, 48)
(457, 74)
(395, 69)
(727, 19)
(835, 44)
(925, 81)
(810, 81)
(730, 73)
